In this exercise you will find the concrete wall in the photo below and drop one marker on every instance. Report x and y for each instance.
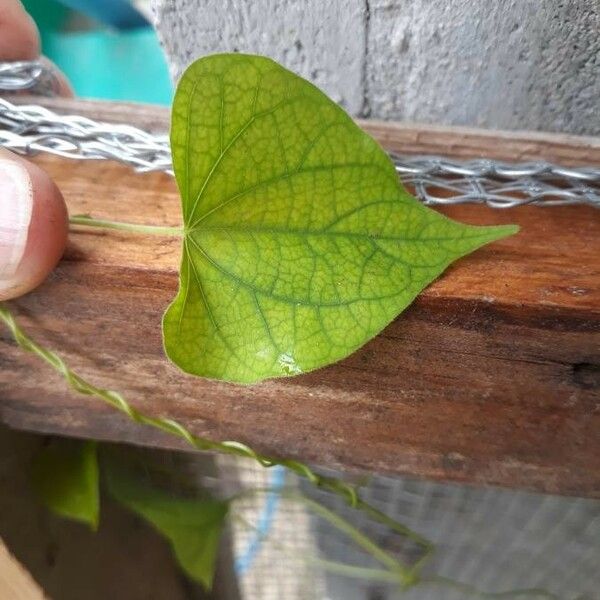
(513, 64)
(317, 39)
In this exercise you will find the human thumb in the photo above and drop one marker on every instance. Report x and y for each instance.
(33, 225)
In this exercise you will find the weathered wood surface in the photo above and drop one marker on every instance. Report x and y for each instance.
(492, 376)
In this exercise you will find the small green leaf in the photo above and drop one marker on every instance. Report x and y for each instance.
(192, 526)
(64, 474)
(300, 243)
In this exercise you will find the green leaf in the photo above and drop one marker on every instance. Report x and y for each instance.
(192, 526)
(300, 242)
(64, 474)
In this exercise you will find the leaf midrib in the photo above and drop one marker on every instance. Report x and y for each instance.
(288, 299)
(277, 179)
(223, 151)
(327, 233)
(249, 122)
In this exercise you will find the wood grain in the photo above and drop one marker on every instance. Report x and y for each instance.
(491, 376)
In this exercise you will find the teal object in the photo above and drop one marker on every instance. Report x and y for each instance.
(103, 63)
(109, 65)
(48, 16)
(114, 13)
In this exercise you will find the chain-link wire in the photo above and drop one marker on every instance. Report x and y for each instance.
(29, 130)
(17, 76)
(34, 77)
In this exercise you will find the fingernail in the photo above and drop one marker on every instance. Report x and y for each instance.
(16, 204)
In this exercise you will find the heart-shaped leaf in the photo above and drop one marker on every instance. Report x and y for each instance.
(300, 243)
(193, 526)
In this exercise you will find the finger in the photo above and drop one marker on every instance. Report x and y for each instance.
(63, 87)
(33, 225)
(19, 37)
(20, 40)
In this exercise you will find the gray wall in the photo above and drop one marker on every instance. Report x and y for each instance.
(511, 64)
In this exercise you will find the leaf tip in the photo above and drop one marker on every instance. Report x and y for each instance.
(495, 233)
(506, 230)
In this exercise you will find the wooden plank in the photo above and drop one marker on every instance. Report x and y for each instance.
(492, 376)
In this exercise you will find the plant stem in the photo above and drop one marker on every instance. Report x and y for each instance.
(133, 227)
(475, 592)
(358, 538)
(337, 486)
(328, 565)
(389, 577)
(401, 573)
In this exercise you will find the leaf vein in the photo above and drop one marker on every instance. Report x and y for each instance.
(281, 297)
(225, 150)
(267, 182)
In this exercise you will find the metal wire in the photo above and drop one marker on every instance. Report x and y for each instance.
(34, 77)
(29, 130)
(16, 76)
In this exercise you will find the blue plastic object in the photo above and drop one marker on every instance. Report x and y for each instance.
(243, 562)
(126, 65)
(119, 14)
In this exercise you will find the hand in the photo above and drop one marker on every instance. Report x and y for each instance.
(33, 215)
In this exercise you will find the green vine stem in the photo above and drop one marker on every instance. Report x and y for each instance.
(395, 572)
(88, 221)
(472, 591)
(336, 486)
(391, 577)
(327, 565)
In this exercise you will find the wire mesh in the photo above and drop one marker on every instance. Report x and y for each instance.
(35, 77)
(495, 539)
(434, 179)
(21, 76)
(522, 545)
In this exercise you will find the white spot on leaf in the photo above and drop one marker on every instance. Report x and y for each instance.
(288, 364)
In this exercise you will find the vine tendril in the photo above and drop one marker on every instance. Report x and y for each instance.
(349, 493)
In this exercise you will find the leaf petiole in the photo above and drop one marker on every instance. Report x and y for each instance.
(132, 227)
